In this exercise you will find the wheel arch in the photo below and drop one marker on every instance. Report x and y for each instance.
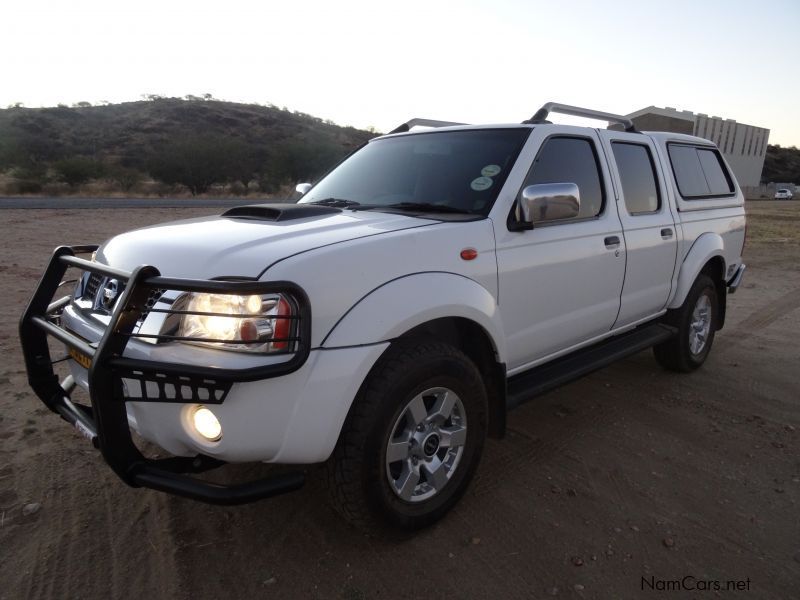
(393, 309)
(460, 312)
(715, 269)
(705, 256)
(474, 341)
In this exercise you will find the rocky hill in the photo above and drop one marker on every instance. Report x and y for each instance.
(781, 165)
(195, 145)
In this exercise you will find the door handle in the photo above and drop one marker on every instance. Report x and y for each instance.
(612, 242)
(666, 233)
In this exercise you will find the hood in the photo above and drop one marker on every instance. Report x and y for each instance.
(238, 246)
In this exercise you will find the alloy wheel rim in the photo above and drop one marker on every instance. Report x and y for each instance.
(426, 444)
(700, 326)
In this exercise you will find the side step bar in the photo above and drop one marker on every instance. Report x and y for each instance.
(537, 381)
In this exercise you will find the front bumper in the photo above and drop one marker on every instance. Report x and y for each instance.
(105, 422)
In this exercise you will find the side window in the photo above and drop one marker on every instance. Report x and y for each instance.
(688, 171)
(718, 181)
(570, 160)
(699, 172)
(638, 176)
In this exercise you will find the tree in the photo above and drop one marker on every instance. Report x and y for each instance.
(125, 177)
(198, 162)
(243, 161)
(26, 143)
(297, 161)
(781, 165)
(30, 179)
(7, 154)
(77, 170)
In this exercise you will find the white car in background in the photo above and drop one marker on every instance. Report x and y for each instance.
(783, 194)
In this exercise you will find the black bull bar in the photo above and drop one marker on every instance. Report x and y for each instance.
(105, 422)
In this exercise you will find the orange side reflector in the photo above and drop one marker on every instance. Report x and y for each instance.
(469, 254)
(282, 326)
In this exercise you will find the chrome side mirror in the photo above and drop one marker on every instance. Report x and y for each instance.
(302, 188)
(550, 202)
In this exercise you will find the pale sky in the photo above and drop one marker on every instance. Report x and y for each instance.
(378, 63)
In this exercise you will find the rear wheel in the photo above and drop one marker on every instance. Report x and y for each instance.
(696, 322)
(413, 438)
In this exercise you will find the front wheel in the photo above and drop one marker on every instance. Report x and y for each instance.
(413, 438)
(696, 322)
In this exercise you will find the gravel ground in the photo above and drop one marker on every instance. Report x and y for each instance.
(628, 478)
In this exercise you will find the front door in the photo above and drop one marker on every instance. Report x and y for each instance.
(560, 283)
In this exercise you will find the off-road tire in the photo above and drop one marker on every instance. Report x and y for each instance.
(676, 354)
(356, 472)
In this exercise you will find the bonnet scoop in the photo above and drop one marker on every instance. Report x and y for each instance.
(279, 212)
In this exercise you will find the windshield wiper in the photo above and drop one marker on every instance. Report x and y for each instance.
(427, 207)
(336, 202)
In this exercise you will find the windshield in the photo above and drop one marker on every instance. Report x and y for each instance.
(461, 171)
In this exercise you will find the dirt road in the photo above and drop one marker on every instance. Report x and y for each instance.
(631, 475)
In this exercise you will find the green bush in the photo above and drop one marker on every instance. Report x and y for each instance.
(126, 178)
(25, 186)
(28, 180)
(77, 170)
(297, 161)
(197, 162)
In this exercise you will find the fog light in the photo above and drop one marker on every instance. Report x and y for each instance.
(206, 424)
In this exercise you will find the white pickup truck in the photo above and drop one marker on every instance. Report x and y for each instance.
(386, 322)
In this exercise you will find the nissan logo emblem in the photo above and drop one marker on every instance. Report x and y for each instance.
(110, 292)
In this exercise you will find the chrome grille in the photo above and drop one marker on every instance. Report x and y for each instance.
(92, 286)
(93, 290)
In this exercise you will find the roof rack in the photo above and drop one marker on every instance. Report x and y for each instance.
(576, 111)
(423, 123)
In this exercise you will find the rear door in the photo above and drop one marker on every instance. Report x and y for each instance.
(647, 222)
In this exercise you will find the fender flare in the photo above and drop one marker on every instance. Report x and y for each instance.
(705, 247)
(399, 305)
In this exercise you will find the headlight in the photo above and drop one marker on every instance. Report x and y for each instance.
(254, 323)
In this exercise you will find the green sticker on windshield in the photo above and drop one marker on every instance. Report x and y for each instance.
(490, 170)
(481, 183)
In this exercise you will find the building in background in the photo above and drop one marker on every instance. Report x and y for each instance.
(744, 146)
